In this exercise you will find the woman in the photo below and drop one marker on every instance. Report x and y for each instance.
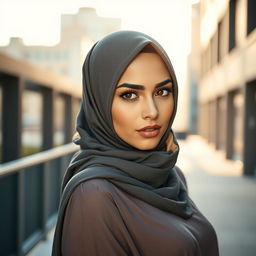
(122, 193)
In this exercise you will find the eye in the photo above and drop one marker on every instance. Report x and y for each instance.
(163, 92)
(129, 95)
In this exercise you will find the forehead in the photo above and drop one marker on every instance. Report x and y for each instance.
(145, 67)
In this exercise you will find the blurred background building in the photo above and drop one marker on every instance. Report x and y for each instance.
(193, 70)
(224, 47)
(78, 33)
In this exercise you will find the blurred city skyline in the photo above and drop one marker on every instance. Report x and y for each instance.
(38, 22)
(150, 16)
(168, 21)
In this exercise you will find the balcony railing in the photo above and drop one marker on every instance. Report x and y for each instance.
(30, 185)
(29, 198)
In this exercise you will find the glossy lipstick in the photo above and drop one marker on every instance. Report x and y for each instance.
(149, 131)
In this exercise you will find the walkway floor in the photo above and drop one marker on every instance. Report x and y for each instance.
(44, 247)
(225, 197)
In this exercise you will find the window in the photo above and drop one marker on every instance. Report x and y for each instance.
(31, 137)
(59, 121)
(232, 24)
(75, 110)
(214, 49)
(238, 102)
(223, 37)
(221, 121)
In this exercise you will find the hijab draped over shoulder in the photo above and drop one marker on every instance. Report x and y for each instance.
(149, 175)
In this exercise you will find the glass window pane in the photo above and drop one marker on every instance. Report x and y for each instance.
(238, 102)
(75, 110)
(221, 121)
(31, 137)
(59, 133)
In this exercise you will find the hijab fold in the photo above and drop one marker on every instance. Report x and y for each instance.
(148, 175)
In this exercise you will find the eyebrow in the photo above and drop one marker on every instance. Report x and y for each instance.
(141, 87)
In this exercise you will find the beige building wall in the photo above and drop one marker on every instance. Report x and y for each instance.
(237, 66)
(193, 68)
(227, 87)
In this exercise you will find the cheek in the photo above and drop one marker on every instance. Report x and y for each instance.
(166, 109)
(122, 117)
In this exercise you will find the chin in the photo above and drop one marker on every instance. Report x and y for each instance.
(146, 146)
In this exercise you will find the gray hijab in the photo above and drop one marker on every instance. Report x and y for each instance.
(148, 175)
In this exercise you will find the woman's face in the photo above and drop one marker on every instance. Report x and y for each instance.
(143, 102)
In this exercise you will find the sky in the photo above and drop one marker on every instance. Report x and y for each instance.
(37, 22)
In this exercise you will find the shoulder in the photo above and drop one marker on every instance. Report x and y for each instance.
(94, 191)
(95, 199)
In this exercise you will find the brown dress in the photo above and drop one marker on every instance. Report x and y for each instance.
(101, 219)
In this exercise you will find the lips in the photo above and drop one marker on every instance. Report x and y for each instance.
(149, 131)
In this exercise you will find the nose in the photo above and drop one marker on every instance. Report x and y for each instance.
(149, 109)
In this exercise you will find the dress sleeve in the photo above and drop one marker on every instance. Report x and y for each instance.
(93, 224)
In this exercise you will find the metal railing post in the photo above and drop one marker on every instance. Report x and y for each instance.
(68, 118)
(48, 122)
(46, 168)
(12, 112)
(21, 212)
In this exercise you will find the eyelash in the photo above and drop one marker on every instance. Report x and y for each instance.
(124, 94)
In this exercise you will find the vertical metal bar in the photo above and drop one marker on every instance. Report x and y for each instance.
(68, 118)
(12, 107)
(11, 148)
(46, 167)
(48, 118)
(48, 133)
(21, 211)
(73, 114)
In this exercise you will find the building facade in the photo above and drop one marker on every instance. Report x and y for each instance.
(227, 85)
(193, 67)
(78, 33)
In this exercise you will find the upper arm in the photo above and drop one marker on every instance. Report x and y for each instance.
(92, 222)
